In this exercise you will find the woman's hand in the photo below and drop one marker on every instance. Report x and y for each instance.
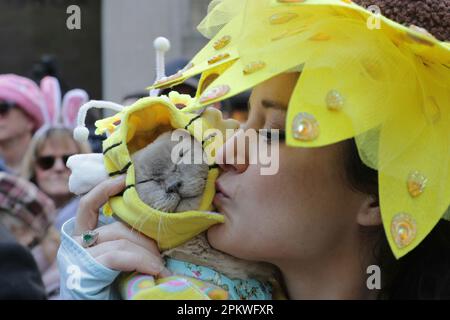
(117, 246)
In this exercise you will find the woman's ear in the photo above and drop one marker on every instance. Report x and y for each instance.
(369, 214)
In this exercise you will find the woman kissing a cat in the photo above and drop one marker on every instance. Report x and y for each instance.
(352, 193)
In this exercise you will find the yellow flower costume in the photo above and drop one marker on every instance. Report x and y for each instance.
(386, 85)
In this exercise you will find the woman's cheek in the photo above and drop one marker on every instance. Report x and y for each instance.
(216, 237)
(40, 178)
(225, 237)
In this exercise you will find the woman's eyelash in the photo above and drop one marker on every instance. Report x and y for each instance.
(270, 133)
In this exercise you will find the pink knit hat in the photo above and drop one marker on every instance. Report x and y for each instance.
(26, 94)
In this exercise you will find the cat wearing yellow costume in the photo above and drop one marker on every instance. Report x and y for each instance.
(169, 200)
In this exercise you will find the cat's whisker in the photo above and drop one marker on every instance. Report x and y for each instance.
(163, 226)
(141, 222)
(133, 225)
(158, 235)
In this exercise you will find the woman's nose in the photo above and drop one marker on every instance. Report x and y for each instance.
(59, 165)
(233, 155)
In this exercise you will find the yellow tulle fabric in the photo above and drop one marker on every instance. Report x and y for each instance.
(363, 76)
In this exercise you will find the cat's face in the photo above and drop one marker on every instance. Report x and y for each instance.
(167, 178)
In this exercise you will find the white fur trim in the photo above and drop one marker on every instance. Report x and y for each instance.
(81, 134)
(88, 170)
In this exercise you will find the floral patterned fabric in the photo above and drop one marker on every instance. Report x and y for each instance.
(192, 282)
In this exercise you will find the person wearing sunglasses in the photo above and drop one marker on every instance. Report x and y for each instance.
(46, 160)
(44, 163)
(21, 114)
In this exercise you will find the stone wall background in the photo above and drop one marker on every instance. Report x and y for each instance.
(112, 55)
(30, 29)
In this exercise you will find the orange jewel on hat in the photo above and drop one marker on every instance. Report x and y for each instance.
(254, 67)
(305, 127)
(214, 93)
(222, 42)
(416, 184)
(169, 79)
(403, 229)
(218, 58)
(335, 100)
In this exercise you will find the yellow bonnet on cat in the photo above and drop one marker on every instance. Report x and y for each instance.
(363, 76)
(132, 129)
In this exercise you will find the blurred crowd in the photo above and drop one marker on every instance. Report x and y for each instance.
(37, 118)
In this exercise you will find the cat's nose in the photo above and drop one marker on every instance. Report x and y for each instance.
(173, 187)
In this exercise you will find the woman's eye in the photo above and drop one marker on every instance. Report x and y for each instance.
(273, 134)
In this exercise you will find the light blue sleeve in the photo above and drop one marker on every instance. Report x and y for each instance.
(82, 277)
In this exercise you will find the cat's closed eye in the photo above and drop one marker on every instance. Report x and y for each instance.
(167, 185)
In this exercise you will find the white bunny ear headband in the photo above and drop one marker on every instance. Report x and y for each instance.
(60, 112)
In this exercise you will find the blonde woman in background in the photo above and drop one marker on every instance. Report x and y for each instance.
(44, 163)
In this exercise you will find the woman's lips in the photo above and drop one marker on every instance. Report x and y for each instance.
(219, 190)
(220, 197)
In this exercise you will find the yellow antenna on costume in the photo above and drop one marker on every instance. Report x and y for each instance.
(81, 133)
(161, 45)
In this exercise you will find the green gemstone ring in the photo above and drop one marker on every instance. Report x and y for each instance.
(89, 238)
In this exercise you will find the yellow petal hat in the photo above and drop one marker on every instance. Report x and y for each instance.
(134, 128)
(363, 76)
